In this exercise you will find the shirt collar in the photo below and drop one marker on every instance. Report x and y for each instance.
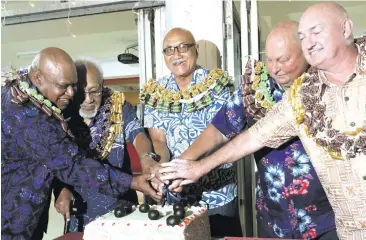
(198, 72)
(359, 69)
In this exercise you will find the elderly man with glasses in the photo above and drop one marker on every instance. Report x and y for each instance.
(108, 121)
(178, 108)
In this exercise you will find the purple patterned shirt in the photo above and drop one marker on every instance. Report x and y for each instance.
(290, 200)
(34, 150)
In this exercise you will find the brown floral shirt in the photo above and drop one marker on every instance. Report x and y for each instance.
(344, 180)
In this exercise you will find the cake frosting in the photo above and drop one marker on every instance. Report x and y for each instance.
(137, 225)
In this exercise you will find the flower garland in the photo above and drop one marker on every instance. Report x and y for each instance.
(257, 91)
(196, 97)
(22, 92)
(306, 101)
(112, 123)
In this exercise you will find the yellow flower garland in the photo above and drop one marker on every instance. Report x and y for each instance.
(295, 101)
(116, 123)
(197, 97)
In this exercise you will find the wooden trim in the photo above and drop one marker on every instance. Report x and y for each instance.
(122, 81)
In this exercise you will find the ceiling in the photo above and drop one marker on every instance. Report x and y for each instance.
(98, 36)
(104, 36)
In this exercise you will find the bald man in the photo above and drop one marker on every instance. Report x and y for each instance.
(178, 116)
(36, 145)
(92, 102)
(325, 109)
(286, 179)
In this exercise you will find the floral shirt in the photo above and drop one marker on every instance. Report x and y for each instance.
(343, 179)
(35, 150)
(181, 129)
(290, 200)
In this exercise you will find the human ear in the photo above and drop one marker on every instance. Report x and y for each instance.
(37, 78)
(347, 28)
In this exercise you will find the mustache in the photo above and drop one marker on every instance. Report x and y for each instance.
(177, 61)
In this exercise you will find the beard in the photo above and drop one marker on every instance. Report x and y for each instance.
(87, 115)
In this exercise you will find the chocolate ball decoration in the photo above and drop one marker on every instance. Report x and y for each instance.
(177, 206)
(119, 212)
(128, 209)
(144, 208)
(180, 213)
(153, 214)
(172, 220)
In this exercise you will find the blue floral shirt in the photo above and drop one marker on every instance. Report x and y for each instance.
(34, 150)
(182, 129)
(290, 200)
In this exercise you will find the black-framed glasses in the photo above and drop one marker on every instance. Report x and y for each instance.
(181, 48)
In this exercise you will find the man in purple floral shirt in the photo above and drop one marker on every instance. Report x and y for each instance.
(290, 200)
(94, 103)
(36, 145)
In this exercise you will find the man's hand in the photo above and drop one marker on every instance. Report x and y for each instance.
(175, 186)
(157, 185)
(189, 171)
(62, 203)
(151, 167)
(141, 183)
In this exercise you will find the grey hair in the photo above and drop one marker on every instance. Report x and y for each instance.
(91, 62)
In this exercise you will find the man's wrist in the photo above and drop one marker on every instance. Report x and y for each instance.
(134, 183)
(151, 155)
(207, 164)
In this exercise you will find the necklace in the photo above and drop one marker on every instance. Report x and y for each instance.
(110, 120)
(196, 97)
(258, 92)
(23, 91)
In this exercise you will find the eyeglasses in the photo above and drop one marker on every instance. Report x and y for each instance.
(94, 93)
(181, 48)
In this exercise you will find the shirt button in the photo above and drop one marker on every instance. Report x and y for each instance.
(346, 98)
(353, 124)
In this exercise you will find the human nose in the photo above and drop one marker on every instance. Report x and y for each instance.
(275, 68)
(176, 52)
(309, 42)
(70, 91)
(88, 97)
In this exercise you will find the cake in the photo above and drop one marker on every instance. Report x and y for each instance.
(191, 224)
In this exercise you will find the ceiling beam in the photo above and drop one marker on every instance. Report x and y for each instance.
(78, 8)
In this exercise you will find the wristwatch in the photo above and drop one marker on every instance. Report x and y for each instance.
(153, 155)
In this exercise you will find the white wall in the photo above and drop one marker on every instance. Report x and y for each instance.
(203, 18)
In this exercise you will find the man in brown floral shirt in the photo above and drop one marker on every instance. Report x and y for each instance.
(326, 108)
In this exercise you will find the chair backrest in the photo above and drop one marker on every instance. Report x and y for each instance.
(134, 158)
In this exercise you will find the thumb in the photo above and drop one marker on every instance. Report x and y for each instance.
(152, 193)
(148, 177)
(186, 182)
(67, 213)
(67, 216)
(178, 189)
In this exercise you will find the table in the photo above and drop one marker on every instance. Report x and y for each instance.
(79, 236)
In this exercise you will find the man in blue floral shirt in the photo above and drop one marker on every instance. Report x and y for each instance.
(94, 103)
(290, 200)
(36, 145)
(178, 108)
